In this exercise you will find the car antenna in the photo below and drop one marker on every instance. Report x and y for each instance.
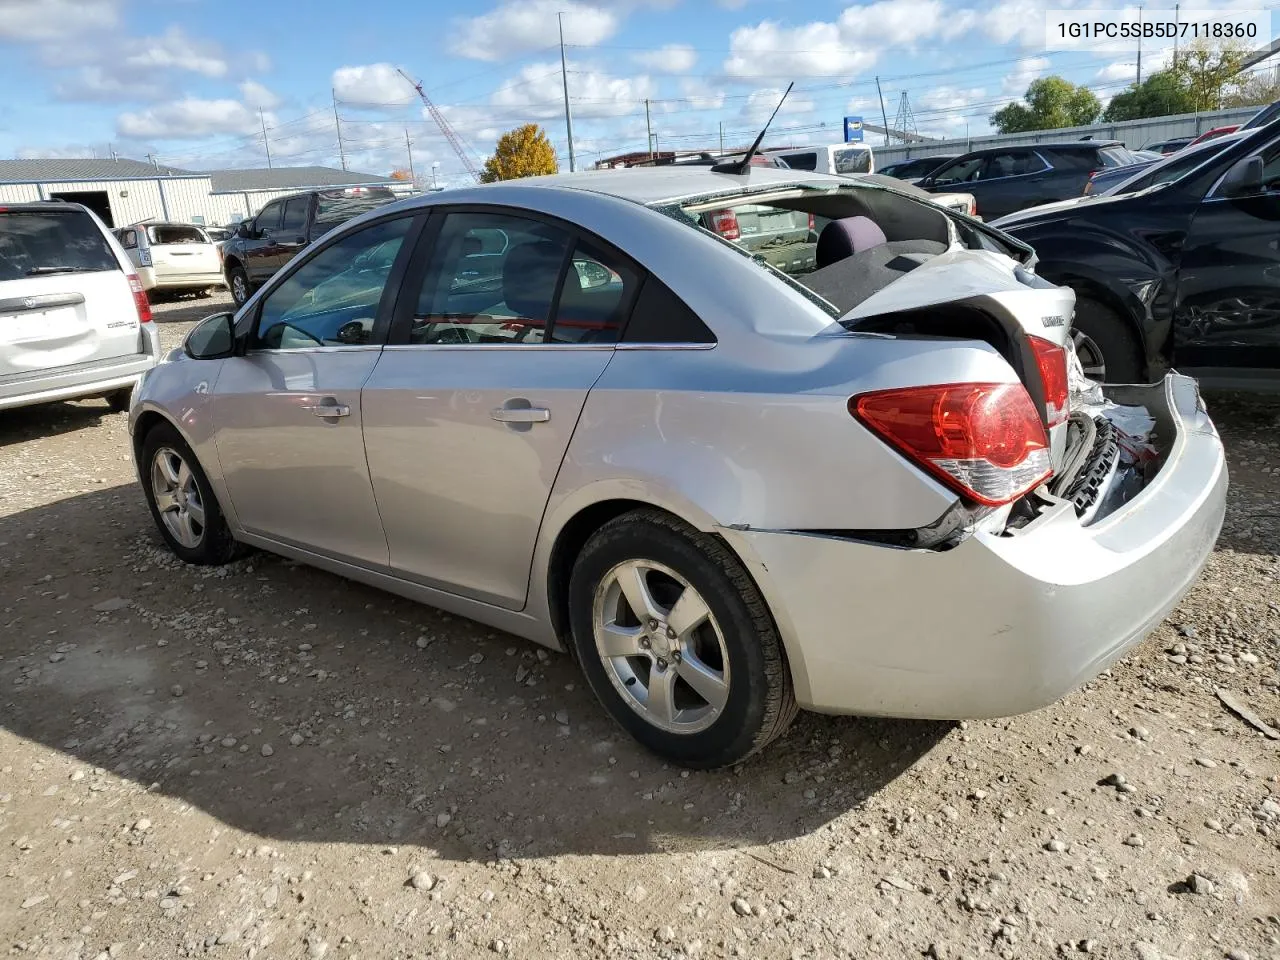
(742, 166)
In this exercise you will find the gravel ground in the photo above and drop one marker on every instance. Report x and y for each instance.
(267, 761)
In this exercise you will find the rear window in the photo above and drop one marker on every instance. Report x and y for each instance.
(33, 242)
(852, 161)
(176, 233)
(801, 161)
(339, 207)
(1116, 156)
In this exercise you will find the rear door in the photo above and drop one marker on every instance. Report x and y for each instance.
(179, 251)
(471, 408)
(292, 236)
(64, 297)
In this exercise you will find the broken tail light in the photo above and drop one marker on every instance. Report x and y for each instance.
(986, 441)
(1051, 361)
(725, 223)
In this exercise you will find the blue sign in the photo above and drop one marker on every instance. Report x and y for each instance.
(852, 129)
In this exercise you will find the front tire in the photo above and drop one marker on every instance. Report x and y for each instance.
(677, 643)
(1108, 350)
(182, 501)
(238, 281)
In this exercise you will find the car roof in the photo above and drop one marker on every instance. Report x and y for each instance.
(1064, 145)
(649, 185)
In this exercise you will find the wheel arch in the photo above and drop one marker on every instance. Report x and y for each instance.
(147, 420)
(1105, 290)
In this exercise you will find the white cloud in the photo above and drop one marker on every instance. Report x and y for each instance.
(813, 50)
(903, 22)
(519, 26)
(376, 84)
(1016, 21)
(949, 99)
(51, 20)
(190, 119)
(536, 92)
(256, 95)
(700, 95)
(174, 51)
(1016, 82)
(95, 84)
(673, 58)
(1116, 72)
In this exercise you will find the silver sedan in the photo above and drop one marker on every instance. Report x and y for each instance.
(741, 442)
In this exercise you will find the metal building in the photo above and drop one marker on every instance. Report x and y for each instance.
(124, 191)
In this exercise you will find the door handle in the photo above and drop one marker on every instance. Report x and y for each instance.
(328, 407)
(520, 414)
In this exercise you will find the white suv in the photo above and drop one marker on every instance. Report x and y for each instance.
(74, 319)
(173, 256)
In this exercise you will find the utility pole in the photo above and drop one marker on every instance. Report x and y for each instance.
(649, 127)
(342, 157)
(408, 145)
(722, 138)
(266, 145)
(154, 162)
(883, 115)
(1140, 45)
(564, 76)
(1176, 8)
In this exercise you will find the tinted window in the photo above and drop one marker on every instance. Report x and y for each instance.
(659, 316)
(1013, 163)
(269, 218)
(33, 242)
(801, 161)
(332, 299)
(1116, 157)
(852, 160)
(594, 298)
(336, 206)
(478, 292)
(1172, 169)
(962, 171)
(172, 233)
(295, 215)
(128, 239)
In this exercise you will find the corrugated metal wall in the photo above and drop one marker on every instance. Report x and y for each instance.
(1134, 133)
(19, 193)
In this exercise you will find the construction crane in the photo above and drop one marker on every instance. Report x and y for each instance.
(449, 133)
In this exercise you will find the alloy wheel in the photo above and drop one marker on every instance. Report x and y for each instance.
(661, 646)
(1092, 361)
(177, 497)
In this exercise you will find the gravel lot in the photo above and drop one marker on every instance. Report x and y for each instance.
(267, 761)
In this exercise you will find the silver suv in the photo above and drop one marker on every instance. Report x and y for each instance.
(74, 319)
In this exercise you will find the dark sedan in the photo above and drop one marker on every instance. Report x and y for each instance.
(1007, 179)
(1184, 272)
(915, 168)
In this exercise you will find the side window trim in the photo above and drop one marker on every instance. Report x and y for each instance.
(247, 322)
(417, 274)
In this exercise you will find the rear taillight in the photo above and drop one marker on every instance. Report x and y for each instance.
(973, 208)
(811, 223)
(140, 301)
(984, 440)
(725, 223)
(1051, 361)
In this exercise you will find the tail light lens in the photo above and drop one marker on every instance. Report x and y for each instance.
(973, 207)
(140, 301)
(811, 223)
(725, 223)
(1051, 361)
(984, 440)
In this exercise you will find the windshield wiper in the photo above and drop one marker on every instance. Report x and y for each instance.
(46, 271)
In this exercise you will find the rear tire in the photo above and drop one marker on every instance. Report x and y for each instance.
(182, 501)
(1108, 349)
(238, 281)
(701, 677)
(119, 400)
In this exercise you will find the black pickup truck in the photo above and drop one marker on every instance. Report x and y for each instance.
(264, 244)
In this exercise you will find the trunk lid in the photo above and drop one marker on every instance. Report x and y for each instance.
(977, 294)
(179, 250)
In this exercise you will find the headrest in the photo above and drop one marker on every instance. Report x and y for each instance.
(847, 236)
(529, 278)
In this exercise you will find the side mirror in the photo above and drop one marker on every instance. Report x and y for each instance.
(212, 338)
(1244, 178)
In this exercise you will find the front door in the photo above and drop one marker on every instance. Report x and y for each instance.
(471, 409)
(288, 413)
(1228, 304)
(260, 249)
(292, 235)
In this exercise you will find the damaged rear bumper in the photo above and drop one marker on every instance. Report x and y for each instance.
(1002, 623)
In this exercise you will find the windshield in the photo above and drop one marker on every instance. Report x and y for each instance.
(175, 233)
(1116, 156)
(852, 160)
(34, 242)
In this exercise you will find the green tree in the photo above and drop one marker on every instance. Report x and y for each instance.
(522, 152)
(1160, 95)
(1208, 70)
(1050, 103)
(1255, 90)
